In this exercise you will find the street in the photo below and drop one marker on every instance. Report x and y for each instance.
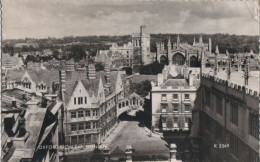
(132, 134)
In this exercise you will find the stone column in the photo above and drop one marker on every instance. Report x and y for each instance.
(173, 152)
(128, 152)
(107, 154)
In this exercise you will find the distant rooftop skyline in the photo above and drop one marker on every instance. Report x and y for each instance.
(56, 18)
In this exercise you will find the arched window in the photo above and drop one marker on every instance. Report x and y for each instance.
(127, 103)
(163, 60)
(178, 59)
(193, 61)
(119, 105)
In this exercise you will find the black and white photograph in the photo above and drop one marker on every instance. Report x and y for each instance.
(129, 81)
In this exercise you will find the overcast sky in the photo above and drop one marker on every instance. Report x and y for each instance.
(58, 18)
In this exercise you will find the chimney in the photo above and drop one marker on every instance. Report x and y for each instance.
(246, 74)
(91, 72)
(165, 73)
(191, 79)
(203, 61)
(32, 103)
(143, 28)
(62, 78)
(14, 103)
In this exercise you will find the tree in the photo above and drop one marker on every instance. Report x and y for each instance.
(142, 88)
(99, 66)
(152, 69)
(77, 52)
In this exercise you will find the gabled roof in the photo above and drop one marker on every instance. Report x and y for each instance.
(7, 58)
(47, 76)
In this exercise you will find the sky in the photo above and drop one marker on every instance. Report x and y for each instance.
(59, 18)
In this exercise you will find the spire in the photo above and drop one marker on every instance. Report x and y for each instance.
(200, 41)
(239, 61)
(169, 42)
(227, 53)
(210, 45)
(194, 41)
(217, 51)
(178, 41)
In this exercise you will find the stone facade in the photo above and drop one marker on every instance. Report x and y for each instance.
(181, 53)
(173, 99)
(229, 119)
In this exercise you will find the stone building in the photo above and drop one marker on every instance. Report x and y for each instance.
(141, 43)
(181, 53)
(173, 98)
(90, 103)
(229, 114)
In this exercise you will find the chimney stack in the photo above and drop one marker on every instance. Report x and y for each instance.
(14, 103)
(91, 72)
(62, 78)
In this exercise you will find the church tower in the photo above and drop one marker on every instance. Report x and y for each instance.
(145, 45)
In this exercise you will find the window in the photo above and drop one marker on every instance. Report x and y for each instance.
(94, 112)
(80, 100)
(163, 119)
(175, 107)
(187, 122)
(175, 122)
(187, 107)
(88, 113)
(234, 145)
(254, 125)
(253, 156)
(88, 138)
(164, 106)
(75, 101)
(164, 97)
(81, 126)
(81, 139)
(234, 113)
(94, 125)
(80, 114)
(73, 115)
(219, 104)
(175, 96)
(73, 127)
(88, 126)
(186, 96)
(86, 100)
(73, 140)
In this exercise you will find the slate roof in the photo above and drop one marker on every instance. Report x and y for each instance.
(7, 58)
(140, 78)
(47, 76)
(175, 82)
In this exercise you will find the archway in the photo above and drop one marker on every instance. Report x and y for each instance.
(193, 61)
(163, 60)
(178, 59)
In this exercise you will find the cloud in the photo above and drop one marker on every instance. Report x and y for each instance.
(57, 18)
